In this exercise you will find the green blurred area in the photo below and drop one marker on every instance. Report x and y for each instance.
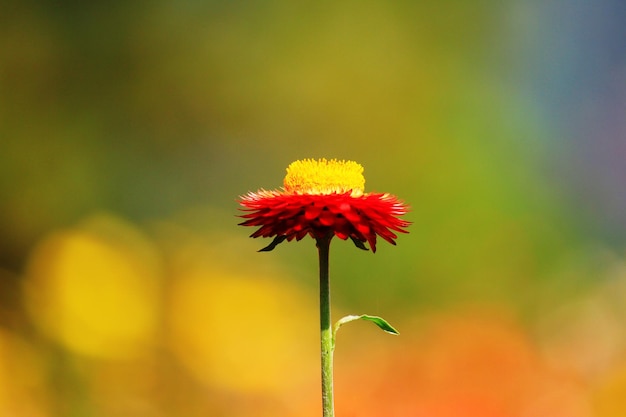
(128, 131)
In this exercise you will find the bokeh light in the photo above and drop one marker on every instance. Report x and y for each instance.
(96, 294)
(212, 307)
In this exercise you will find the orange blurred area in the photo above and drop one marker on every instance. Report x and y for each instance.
(470, 364)
(23, 390)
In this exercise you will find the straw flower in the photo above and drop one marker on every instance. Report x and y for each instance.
(324, 198)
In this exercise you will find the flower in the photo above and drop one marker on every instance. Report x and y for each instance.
(324, 198)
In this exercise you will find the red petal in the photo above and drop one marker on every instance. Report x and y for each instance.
(327, 218)
(313, 211)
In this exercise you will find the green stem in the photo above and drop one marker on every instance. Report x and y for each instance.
(327, 343)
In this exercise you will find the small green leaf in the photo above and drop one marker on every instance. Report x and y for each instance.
(379, 321)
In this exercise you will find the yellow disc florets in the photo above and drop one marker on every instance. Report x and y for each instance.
(310, 176)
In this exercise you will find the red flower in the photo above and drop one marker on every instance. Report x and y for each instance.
(322, 198)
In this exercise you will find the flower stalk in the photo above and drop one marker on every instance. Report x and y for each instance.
(326, 331)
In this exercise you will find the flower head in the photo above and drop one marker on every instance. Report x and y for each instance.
(323, 198)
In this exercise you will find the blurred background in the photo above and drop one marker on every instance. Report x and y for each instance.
(129, 129)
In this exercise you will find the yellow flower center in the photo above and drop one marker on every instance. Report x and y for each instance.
(309, 176)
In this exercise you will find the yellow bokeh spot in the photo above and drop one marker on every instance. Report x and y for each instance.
(239, 332)
(94, 291)
(310, 176)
